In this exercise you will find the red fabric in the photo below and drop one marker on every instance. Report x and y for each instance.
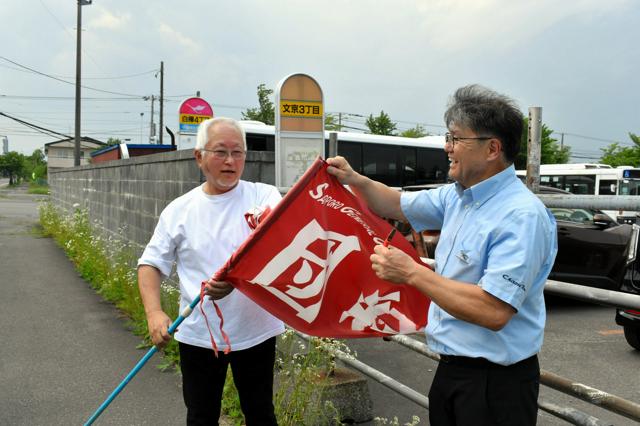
(308, 264)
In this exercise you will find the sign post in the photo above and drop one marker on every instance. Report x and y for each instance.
(299, 127)
(191, 113)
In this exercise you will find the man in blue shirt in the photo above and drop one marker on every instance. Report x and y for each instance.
(497, 245)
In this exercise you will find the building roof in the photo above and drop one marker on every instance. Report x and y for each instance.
(150, 147)
(85, 142)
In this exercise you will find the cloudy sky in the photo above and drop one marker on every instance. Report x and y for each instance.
(579, 60)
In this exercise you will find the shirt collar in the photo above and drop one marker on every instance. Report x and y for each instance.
(482, 191)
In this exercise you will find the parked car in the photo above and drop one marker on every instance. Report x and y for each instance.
(629, 319)
(593, 250)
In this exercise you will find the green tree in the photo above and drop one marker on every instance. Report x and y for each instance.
(381, 125)
(265, 112)
(35, 166)
(550, 151)
(12, 165)
(615, 155)
(113, 141)
(331, 123)
(415, 132)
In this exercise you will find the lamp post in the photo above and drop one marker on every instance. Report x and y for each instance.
(141, 115)
(76, 156)
(5, 144)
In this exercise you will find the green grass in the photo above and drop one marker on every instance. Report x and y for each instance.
(35, 188)
(107, 264)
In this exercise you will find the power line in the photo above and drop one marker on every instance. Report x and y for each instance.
(110, 78)
(33, 126)
(587, 137)
(65, 98)
(67, 32)
(69, 82)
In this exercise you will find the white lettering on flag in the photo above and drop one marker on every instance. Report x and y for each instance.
(366, 311)
(338, 247)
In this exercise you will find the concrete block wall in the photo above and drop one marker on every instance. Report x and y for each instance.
(124, 198)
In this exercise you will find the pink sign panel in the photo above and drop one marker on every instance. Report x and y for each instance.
(196, 106)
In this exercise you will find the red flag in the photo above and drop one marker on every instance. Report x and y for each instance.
(307, 263)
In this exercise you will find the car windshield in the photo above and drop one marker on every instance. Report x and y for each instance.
(574, 215)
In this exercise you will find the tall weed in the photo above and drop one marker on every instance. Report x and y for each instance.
(303, 370)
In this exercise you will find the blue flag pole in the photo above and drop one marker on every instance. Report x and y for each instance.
(185, 313)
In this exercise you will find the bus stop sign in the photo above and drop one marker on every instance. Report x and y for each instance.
(299, 127)
(192, 112)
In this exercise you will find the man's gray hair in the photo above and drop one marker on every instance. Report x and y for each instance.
(489, 114)
(203, 131)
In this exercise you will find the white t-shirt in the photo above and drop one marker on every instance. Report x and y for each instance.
(200, 232)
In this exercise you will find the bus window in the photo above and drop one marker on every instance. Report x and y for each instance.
(379, 163)
(580, 184)
(552, 181)
(607, 187)
(630, 187)
(432, 166)
(352, 151)
(258, 142)
(409, 166)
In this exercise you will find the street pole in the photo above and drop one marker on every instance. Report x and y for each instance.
(161, 101)
(152, 126)
(141, 115)
(76, 153)
(534, 146)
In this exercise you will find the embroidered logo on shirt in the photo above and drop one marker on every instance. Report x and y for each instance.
(514, 282)
(463, 256)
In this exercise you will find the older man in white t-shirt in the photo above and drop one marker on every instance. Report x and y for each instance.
(199, 231)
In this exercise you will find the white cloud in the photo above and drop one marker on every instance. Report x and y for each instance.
(170, 34)
(458, 25)
(108, 20)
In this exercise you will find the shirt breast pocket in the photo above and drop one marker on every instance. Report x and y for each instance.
(470, 259)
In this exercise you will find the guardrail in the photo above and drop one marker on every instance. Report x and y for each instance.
(597, 202)
(602, 399)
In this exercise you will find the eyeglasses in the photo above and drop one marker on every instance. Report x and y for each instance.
(452, 140)
(221, 154)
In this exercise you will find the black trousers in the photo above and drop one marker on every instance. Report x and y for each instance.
(203, 377)
(476, 392)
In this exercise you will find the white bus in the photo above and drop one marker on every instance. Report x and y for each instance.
(392, 160)
(593, 179)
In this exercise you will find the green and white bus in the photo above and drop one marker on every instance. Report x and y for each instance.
(593, 179)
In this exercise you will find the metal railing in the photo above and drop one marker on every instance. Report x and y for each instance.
(596, 202)
(602, 399)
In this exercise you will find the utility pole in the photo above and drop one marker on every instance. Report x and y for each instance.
(141, 115)
(534, 144)
(76, 152)
(161, 101)
(152, 126)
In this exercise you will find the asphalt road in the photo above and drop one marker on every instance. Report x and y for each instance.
(64, 349)
(582, 343)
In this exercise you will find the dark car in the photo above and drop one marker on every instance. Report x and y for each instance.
(629, 319)
(593, 250)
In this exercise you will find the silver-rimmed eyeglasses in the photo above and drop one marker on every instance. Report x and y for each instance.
(221, 154)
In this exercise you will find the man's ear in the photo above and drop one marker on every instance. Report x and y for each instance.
(198, 156)
(494, 149)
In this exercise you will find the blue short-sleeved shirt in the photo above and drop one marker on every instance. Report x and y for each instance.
(496, 234)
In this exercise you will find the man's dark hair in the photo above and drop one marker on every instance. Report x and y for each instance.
(487, 113)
